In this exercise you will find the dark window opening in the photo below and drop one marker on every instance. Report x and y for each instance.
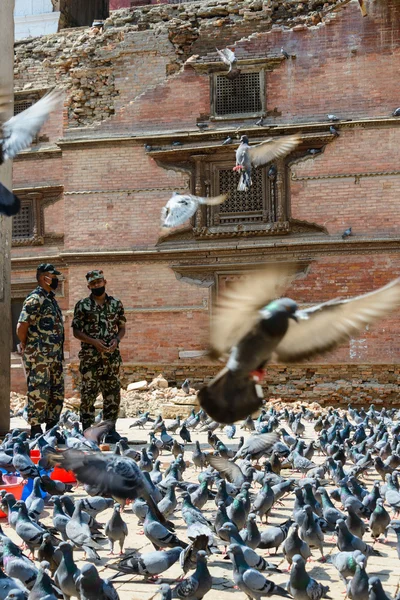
(22, 225)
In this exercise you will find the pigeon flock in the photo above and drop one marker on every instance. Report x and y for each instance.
(290, 504)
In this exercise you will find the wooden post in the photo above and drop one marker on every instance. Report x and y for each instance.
(6, 87)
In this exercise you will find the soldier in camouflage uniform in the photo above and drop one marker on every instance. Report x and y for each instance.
(40, 330)
(99, 323)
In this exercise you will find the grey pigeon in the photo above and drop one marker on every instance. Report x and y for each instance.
(272, 537)
(92, 587)
(345, 563)
(251, 534)
(250, 581)
(60, 519)
(23, 463)
(264, 502)
(67, 573)
(159, 535)
(16, 594)
(280, 331)
(116, 529)
(333, 118)
(18, 566)
(181, 207)
(198, 457)
(150, 564)
(29, 531)
(16, 134)
(295, 545)
(354, 524)
(252, 559)
(8, 584)
(196, 586)
(347, 233)
(95, 505)
(43, 587)
(357, 588)
(261, 154)
(285, 54)
(375, 589)
(34, 502)
(396, 112)
(310, 531)
(169, 503)
(379, 520)
(347, 542)
(79, 533)
(301, 585)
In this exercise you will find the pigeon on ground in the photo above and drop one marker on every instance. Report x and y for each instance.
(251, 535)
(260, 154)
(345, 563)
(47, 552)
(17, 565)
(92, 587)
(357, 588)
(196, 586)
(228, 57)
(35, 502)
(333, 118)
(159, 535)
(150, 564)
(29, 531)
(79, 533)
(347, 542)
(16, 134)
(375, 589)
(8, 584)
(295, 545)
(301, 585)
(116, 529)
(67, 572)
(279, 331)
(379, 520)
(43, 588)
(272, 537)
(181, 207)
(250, 581)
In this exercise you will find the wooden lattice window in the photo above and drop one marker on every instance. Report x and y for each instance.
(258, 205)
(23, 222)
(241, 95)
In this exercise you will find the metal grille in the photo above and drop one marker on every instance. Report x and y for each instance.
(250, 202)
(22, 224)
(22, 105)
(238, 96)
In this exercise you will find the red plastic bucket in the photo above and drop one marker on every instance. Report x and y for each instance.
(14, 485)
(35, 456)
(63, 475)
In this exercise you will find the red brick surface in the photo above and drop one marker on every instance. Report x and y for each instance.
(348, 66)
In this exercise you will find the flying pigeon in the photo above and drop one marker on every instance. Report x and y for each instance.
(182, 207)
(16, 134)
(228, 57)
(363, 8)
(261, 154)
(254, 328)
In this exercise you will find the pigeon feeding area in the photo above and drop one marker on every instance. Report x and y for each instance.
(315, 488)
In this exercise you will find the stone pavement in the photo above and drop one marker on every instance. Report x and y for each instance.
(134, 588)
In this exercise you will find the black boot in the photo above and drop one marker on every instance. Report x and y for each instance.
(112, 437)
(35, 429)
(86, 425)
(51, 424)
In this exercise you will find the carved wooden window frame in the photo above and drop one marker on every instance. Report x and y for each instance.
(39, 199)
(247, 115)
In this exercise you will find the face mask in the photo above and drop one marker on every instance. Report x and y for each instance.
(98, 291)
(53, 283)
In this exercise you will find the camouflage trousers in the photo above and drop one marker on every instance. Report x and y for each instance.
(100, 375)
(45, 380)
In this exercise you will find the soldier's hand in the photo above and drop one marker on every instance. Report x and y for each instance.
(100, 346)
(113, 345)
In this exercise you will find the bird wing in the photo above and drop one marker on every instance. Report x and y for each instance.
(19, 131)
(186, 588)
(228, 469)
(178, 210)
(236, 309)
(258, 443)
(266, 151)
(254, 580)
(96, 432)
(226, 55)
(9, 202)
(313, 589)
(334, 322)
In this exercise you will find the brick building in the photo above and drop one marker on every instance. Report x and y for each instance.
(92, 194)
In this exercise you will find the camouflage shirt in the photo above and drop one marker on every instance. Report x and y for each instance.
(45, 338)
(101, 322)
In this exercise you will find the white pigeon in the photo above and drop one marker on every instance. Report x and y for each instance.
(182, 207)
(228, 57)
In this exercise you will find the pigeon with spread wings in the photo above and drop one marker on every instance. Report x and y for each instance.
(228, 57)
(256, 329)
(261, 154)
(16, 134)
(182, 207)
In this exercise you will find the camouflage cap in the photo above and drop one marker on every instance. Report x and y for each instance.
(47, 268)
(93, 275)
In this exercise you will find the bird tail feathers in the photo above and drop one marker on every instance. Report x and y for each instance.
(244, 182)
(9, 202)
